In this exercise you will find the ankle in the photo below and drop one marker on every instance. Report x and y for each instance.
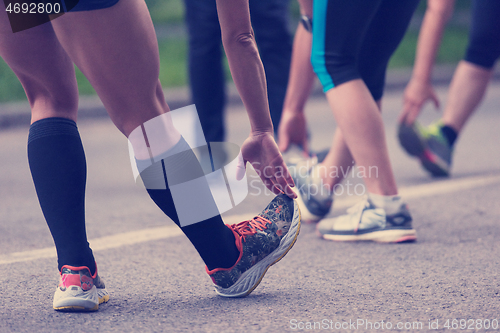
(449, 133)
(390, 203)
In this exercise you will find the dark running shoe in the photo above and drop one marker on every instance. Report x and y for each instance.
(315, 201)
(262, 242)
(78, 290)
(429, 145)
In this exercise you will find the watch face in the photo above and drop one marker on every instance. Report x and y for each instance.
(306, 22)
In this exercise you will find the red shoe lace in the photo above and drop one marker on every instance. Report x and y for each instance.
(250, 227)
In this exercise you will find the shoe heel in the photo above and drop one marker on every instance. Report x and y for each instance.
(305, 215)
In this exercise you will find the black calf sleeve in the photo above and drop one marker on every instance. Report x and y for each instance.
(212, 239)
(58, 167)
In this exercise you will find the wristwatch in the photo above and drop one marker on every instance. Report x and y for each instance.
(306, 22)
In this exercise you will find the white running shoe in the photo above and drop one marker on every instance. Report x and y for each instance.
(365, 222)
(78, 290)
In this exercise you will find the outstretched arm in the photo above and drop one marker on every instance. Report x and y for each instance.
(293, 126)
(419, 90)
(247, 70)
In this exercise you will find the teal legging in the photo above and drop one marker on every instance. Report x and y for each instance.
(355, 39)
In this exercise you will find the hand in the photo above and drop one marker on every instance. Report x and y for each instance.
(415, 96)
(261, 151)
(293, 130)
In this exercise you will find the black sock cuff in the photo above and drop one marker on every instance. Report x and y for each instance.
(179, 164)
(450, 134)
(179, 147)
(52, 126)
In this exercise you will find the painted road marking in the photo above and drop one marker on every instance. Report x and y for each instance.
(98, 244)
(151, 234)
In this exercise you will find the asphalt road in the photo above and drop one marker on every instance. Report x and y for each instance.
(158, 283)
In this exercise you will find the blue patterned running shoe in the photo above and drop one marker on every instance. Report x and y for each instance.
(78, 290)
(429, 145)
(365, 222)
(262, 242)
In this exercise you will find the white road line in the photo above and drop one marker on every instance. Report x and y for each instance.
(151, 234)
(431, 189)
(98, 244)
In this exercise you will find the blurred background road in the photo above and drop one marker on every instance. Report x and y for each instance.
(157, 282)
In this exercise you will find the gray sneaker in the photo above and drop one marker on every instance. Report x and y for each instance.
(295, 155)
(429, 145)
(365, 222)
(314, 200)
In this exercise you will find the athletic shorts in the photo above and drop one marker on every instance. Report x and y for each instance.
(484, 35)
(26, 14)
(354, 39)
(86, 5)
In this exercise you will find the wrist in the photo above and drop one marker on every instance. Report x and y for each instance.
(292, 111)
(421, 80)
(261, 132)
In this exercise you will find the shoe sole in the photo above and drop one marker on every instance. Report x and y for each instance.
(252, 277)
(431, 163)
(103, 296)
(382, 236)
(412, 144)
(83, 301)
(306, 216)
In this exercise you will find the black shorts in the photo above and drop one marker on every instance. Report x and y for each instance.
(26, 14)
(354, 39)
(484, 36)
(86, 5)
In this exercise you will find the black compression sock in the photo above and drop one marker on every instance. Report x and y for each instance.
(58, 167)
(450, 134)
(213, 240)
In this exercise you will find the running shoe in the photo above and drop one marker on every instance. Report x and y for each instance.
(429, 145)
(78, 290)
(314, 200)
(365, 222)
(262, 242)
(295, 154)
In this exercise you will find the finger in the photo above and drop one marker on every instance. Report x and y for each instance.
(402, 118)
(412, 115)
(305, 146)
(240, 167)
(285, 188)
(412, 111)
(290, 193)
(287, 177)
(408, 105)
(270, 186)
(404, 113)
(436, 101)
(283, 180)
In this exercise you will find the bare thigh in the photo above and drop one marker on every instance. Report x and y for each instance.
(43, 68)
(117, 50)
